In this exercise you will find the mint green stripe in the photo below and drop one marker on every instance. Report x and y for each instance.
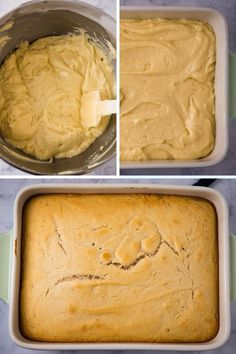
(5, 249)
(232, 85)
(233, 266)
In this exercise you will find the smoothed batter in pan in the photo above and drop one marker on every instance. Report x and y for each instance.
(167, 89)
(40, 89)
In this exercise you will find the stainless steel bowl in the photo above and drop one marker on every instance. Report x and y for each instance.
(36, 19)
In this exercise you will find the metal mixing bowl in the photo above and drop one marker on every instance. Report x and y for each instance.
(36, 19)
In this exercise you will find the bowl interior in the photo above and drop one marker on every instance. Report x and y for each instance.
(41, 19)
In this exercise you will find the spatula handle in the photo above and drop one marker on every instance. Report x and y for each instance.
(107, 107)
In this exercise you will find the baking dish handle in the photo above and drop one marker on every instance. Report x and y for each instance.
(5, 263)
(233, 266)
(232, 84)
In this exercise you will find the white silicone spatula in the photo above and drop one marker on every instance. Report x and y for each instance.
(93, 108)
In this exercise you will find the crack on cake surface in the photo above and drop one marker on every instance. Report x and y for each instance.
(59, 240)
(171, 247)
(188, 266)
(137, 260)
(79, 277)
(144, 254)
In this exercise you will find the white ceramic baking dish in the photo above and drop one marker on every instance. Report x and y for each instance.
(219, 24)
(10, 261)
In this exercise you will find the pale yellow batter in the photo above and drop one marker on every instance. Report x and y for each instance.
(40, 89)
(167, 89)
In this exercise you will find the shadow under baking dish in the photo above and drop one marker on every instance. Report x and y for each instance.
(223, 245)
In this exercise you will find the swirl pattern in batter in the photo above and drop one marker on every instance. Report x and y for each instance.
(167, 89)
(40, 89)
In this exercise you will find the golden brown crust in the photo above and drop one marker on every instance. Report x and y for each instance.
(134, 268)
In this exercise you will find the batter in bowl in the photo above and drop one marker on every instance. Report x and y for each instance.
(40, 89)
(167, 89)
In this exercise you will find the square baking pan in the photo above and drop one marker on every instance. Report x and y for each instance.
(10, 283)
(219, 25)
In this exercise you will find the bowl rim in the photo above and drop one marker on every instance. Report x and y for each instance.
(75, 171)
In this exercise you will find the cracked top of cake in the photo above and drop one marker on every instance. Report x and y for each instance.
(125, 267)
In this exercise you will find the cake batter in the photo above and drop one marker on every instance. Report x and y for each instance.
(167, 89)
(40, 89)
